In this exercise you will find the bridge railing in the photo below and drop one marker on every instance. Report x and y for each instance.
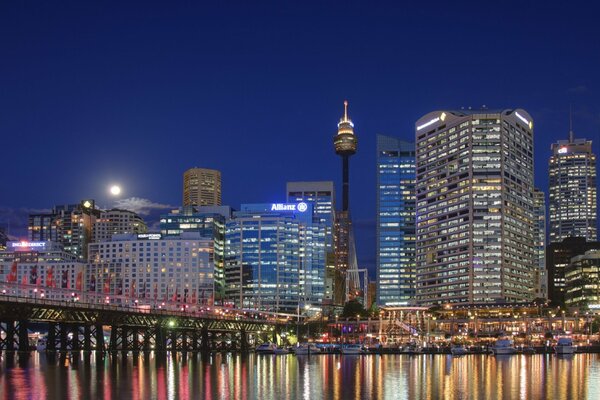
(65, 297)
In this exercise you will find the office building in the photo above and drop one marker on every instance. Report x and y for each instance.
(317, 277)
(395, 221)
(582, 281)
(572, 189)
(558, 257)
(201, 187)
(475, 214)
(153, 268)
(267, 248)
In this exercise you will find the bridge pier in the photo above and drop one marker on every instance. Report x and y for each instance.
(243, 341)
(62, 333)
(75, 345)
(160, 339)
(99, 339)
(87, 338)
(135, 344)
(124, 340)
(195, 341)
(204, 345)
(10, 336)
(51, 338)
(184, 343)
(173, 341)
(146, 341)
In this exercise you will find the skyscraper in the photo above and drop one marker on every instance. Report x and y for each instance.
(317, 276)
(572, 187)
(474, 194)
(201, 187)
(114, 222)
(395, 221)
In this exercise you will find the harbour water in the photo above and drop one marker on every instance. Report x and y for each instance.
(266, 377)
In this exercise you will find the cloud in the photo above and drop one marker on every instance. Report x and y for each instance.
(579, 89)
(14, 221)
(141, 206)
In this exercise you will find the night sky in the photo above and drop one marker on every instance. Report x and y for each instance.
(95, 93)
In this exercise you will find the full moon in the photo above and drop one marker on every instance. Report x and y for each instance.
(115, 190)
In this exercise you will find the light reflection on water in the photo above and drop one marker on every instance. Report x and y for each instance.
(233, 376)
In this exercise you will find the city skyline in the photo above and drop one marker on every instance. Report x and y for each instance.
(172, 93)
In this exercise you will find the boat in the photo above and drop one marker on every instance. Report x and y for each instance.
(411, 348)
(266, 348)
(352, 349)
(503, 347)
(281, 350)
(528, 350)
(459, 350)
(564, 346)
(307, 349)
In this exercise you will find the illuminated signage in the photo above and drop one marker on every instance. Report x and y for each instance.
(594, 306)
(563, 150)
(522, 118)
(300, 207)
(28, 244)
(150, 236)
(426, 124)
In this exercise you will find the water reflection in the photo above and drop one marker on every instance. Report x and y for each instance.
(227, 376)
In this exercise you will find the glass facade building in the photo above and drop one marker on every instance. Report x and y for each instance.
(318, 262)
(475, 208)
(572, 186)
(267, 246)
(395, 221)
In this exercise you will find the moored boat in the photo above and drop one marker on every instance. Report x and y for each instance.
(459, 350)
(564, 346)
(266, 348)
(352, 349)
(306, 349)
(504, 347)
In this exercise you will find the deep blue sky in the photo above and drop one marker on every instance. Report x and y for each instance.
(136, 92)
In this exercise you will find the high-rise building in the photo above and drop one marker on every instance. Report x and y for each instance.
(201, 187)
(115, 222)
(395, 221)
(558, 258)
(539, 212)
(345, 252)
(155, 268)
(209, 222)
(572, 187)
(69, 225)
(263, 256)
(317, 275)
(475, 219)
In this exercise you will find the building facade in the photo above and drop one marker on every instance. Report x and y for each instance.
(582, 281)
(474, 207)
(395, 221)
(115, 222)
(319, 279)
(572, 187)
(539, 210)
(209, 222)
(558, 257)
(268, 253)
(40, 268)
(201, 187)
(69, 225)
(153, 268)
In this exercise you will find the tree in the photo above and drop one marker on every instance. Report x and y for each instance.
(354, 308)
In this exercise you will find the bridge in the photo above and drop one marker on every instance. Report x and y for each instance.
(94, 322)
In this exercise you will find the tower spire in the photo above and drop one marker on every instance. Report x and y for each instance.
(571, 135)
(345, 110)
